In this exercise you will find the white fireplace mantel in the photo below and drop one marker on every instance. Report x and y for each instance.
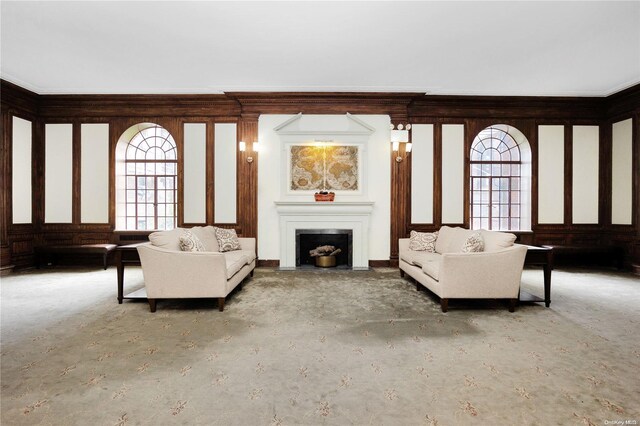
(350, 215)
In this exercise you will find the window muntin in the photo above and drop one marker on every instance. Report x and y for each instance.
(495, 186)
(151, 170)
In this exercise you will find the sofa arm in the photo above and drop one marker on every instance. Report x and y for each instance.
(403, 244)
(178, 274)
(248, 244)
(494, 274)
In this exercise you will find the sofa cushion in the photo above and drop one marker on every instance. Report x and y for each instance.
(419, 258)
(423, 241)
(169, 240)
(235, 260)
(432, 269)
(189, 242)
(206, 234)
(451, 240)
(494, 240)
(227, 239)
(473, 244)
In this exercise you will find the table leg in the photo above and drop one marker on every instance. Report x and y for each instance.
(547, 279)
(120, 267)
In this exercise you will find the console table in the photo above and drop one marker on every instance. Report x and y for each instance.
(128, 255)
(539, 256)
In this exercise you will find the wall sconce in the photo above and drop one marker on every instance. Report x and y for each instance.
(398, 136)
(242, 146)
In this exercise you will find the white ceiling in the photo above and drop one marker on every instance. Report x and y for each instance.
(464, 48)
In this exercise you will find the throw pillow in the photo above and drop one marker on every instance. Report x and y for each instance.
(227, 239)
(474, 243)
(189, 242)
(423, 241)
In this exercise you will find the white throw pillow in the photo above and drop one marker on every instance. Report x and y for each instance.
(169, 240)
(227, 239)
(189, 242)
(473, 244)
(423, 241)
(206, 234)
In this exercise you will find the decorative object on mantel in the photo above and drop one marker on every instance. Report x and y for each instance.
(324, 196)
(325, 256)
(400, 135)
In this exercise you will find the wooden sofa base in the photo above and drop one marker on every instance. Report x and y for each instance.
(221, 300)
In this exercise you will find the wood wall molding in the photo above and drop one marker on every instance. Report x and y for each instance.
(244, 108)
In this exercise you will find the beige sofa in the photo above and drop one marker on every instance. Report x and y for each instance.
(170, 273)
(494, 273)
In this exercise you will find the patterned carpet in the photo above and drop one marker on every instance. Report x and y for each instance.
(318, 347)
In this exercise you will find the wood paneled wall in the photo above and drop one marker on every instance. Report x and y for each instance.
(172, 111)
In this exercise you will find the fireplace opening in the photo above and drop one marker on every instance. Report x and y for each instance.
(309, 239)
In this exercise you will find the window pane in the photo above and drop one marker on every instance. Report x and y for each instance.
(484, 223)
(476, 211)
(131, 168)
(161, 209)
(169, 223)
(142, 223)
(169, 196)
(515, 169)
(150, 183)
(140, 168)
(506, 170)
(504, 197)
(484, 184)
(515, 196)
(131, 223)
(161, 196)
(150, 168)
(141, 196)
(515, 183)
(484, 211)
(161, 168)
(485, 197)
(140, 182)
(515, 224)
(169, 182)
(131, 196)
(131, 209)
(515, 210)
(504, 210)
(162, 183)
(149, 196)
(495, 197)
(162, 223)
(476, 223)
(171, 168)
(504, 223)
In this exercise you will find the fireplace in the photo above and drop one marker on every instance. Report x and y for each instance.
(309, 239)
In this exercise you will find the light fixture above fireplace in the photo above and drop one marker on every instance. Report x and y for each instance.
(400, 134)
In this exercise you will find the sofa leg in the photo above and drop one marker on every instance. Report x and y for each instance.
(444, 304)
(251, 273)
(221, 304)
(512, 305)
(152, 305)
(418, 286)
(401, 273)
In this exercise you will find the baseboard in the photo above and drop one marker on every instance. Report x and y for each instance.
(268, 263)
(6, 270)
(379, 263)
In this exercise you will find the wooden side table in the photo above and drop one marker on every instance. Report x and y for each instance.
(127, 255)
(539, 256)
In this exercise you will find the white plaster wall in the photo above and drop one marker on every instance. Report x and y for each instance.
(58, 188)
(585, 174)
(195, 172)
(550, 174)
(21, 169)
(622, 173)
(94, 173)
(452, 173)
(272, 171)
(422, 173)
(225, 139)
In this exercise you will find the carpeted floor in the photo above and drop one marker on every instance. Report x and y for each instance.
(318, 347)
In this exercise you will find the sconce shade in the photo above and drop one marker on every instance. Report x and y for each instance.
(399, 136)
(408, 147)
(242, 146)
(256, 147)
(395, 146)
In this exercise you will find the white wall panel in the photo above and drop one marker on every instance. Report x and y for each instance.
(622, 173)
(21, 168)
(585, 174)
(225, 172)
(94, 173)
(550, 174)
(452, 173)
(58, 173)
(195, 172)
(422, 173)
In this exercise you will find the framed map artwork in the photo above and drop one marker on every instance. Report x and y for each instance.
(324, 168)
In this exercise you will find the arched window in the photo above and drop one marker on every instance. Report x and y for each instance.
(500, 172)
(146, 169)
